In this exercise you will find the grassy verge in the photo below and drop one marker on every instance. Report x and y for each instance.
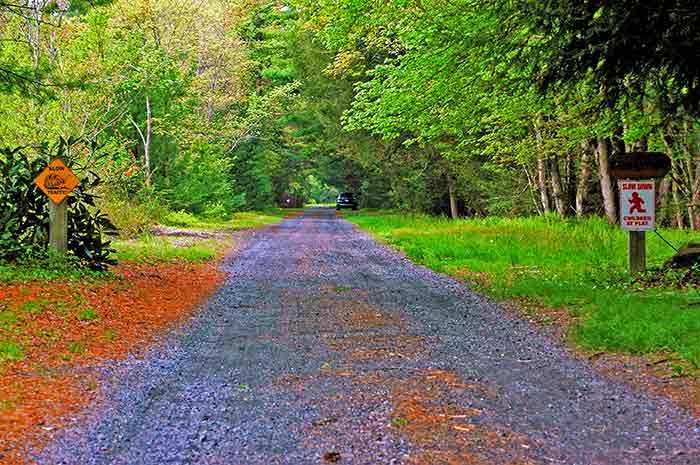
(194, 249)
(149, 248)
(579, 265)
(240, 220)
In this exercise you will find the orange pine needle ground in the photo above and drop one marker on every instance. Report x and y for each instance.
(65, 329)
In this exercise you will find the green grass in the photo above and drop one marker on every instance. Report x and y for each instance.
(88, 314)
(7, 318)
(42, 270)
(10, 351)
(76, 347)
(240, 220)
(150, 248)
(575, 264)
(34, 307)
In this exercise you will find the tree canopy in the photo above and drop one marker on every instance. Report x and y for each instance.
(463, 107)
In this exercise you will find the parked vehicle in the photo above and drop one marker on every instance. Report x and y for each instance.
(346, 200)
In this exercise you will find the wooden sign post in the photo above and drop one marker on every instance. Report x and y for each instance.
(636, 173)
(57, 181)
(58, 227)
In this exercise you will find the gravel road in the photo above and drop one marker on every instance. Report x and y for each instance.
(326, 347)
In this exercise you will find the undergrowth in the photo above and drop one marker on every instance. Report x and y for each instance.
(577, 264)
(46, 269)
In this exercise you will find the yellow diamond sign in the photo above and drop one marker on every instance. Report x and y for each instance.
(57, 181)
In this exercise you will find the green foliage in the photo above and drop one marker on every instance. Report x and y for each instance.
(25, 218)
(33, 306)
(75, 347)
(579, 265)
(181, 218)
(7, 317)
(46, 269)
(202, 181)
(132, 217)
(88, 314)
(620, 45)
(10, 351)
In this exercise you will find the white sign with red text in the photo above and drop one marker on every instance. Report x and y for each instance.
(637, 205)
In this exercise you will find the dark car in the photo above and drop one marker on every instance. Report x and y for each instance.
(346, 200)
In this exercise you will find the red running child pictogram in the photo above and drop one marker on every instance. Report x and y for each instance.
(636, 201)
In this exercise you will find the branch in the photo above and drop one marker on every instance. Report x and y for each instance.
(143, 139)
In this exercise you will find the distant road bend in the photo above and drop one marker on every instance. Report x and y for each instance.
(326, 347)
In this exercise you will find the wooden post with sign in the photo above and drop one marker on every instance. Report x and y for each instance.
(57, 181)
(637, 251)
(637, 173)
(58, 227)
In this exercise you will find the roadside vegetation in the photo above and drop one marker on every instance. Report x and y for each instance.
(577, 264)
(185, 236)
(198, 244)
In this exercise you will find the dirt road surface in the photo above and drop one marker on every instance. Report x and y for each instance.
(325, 347)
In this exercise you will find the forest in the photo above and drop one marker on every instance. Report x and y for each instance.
(461, 108)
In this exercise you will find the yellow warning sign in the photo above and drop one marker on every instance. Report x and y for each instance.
(57, 181)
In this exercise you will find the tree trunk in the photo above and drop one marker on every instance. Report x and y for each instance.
(663, 201)
(692, 188)
(532, 188)
(34, 21)
(570, 180)
(542, 184)
(606, 183)
(676, 176)
(677, 205)
(542, 166)
(694, 207)
(147, 143)
(559, 196)
(583, 180)
(454, 211)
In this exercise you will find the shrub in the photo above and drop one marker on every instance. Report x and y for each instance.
(216, 211)
(24, 221)
(132, 217)
(181, 218)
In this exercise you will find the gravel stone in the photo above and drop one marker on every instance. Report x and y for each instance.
(250, 379)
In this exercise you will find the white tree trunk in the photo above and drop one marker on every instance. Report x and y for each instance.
(606, 183)
(583, 179)
(146, 141)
